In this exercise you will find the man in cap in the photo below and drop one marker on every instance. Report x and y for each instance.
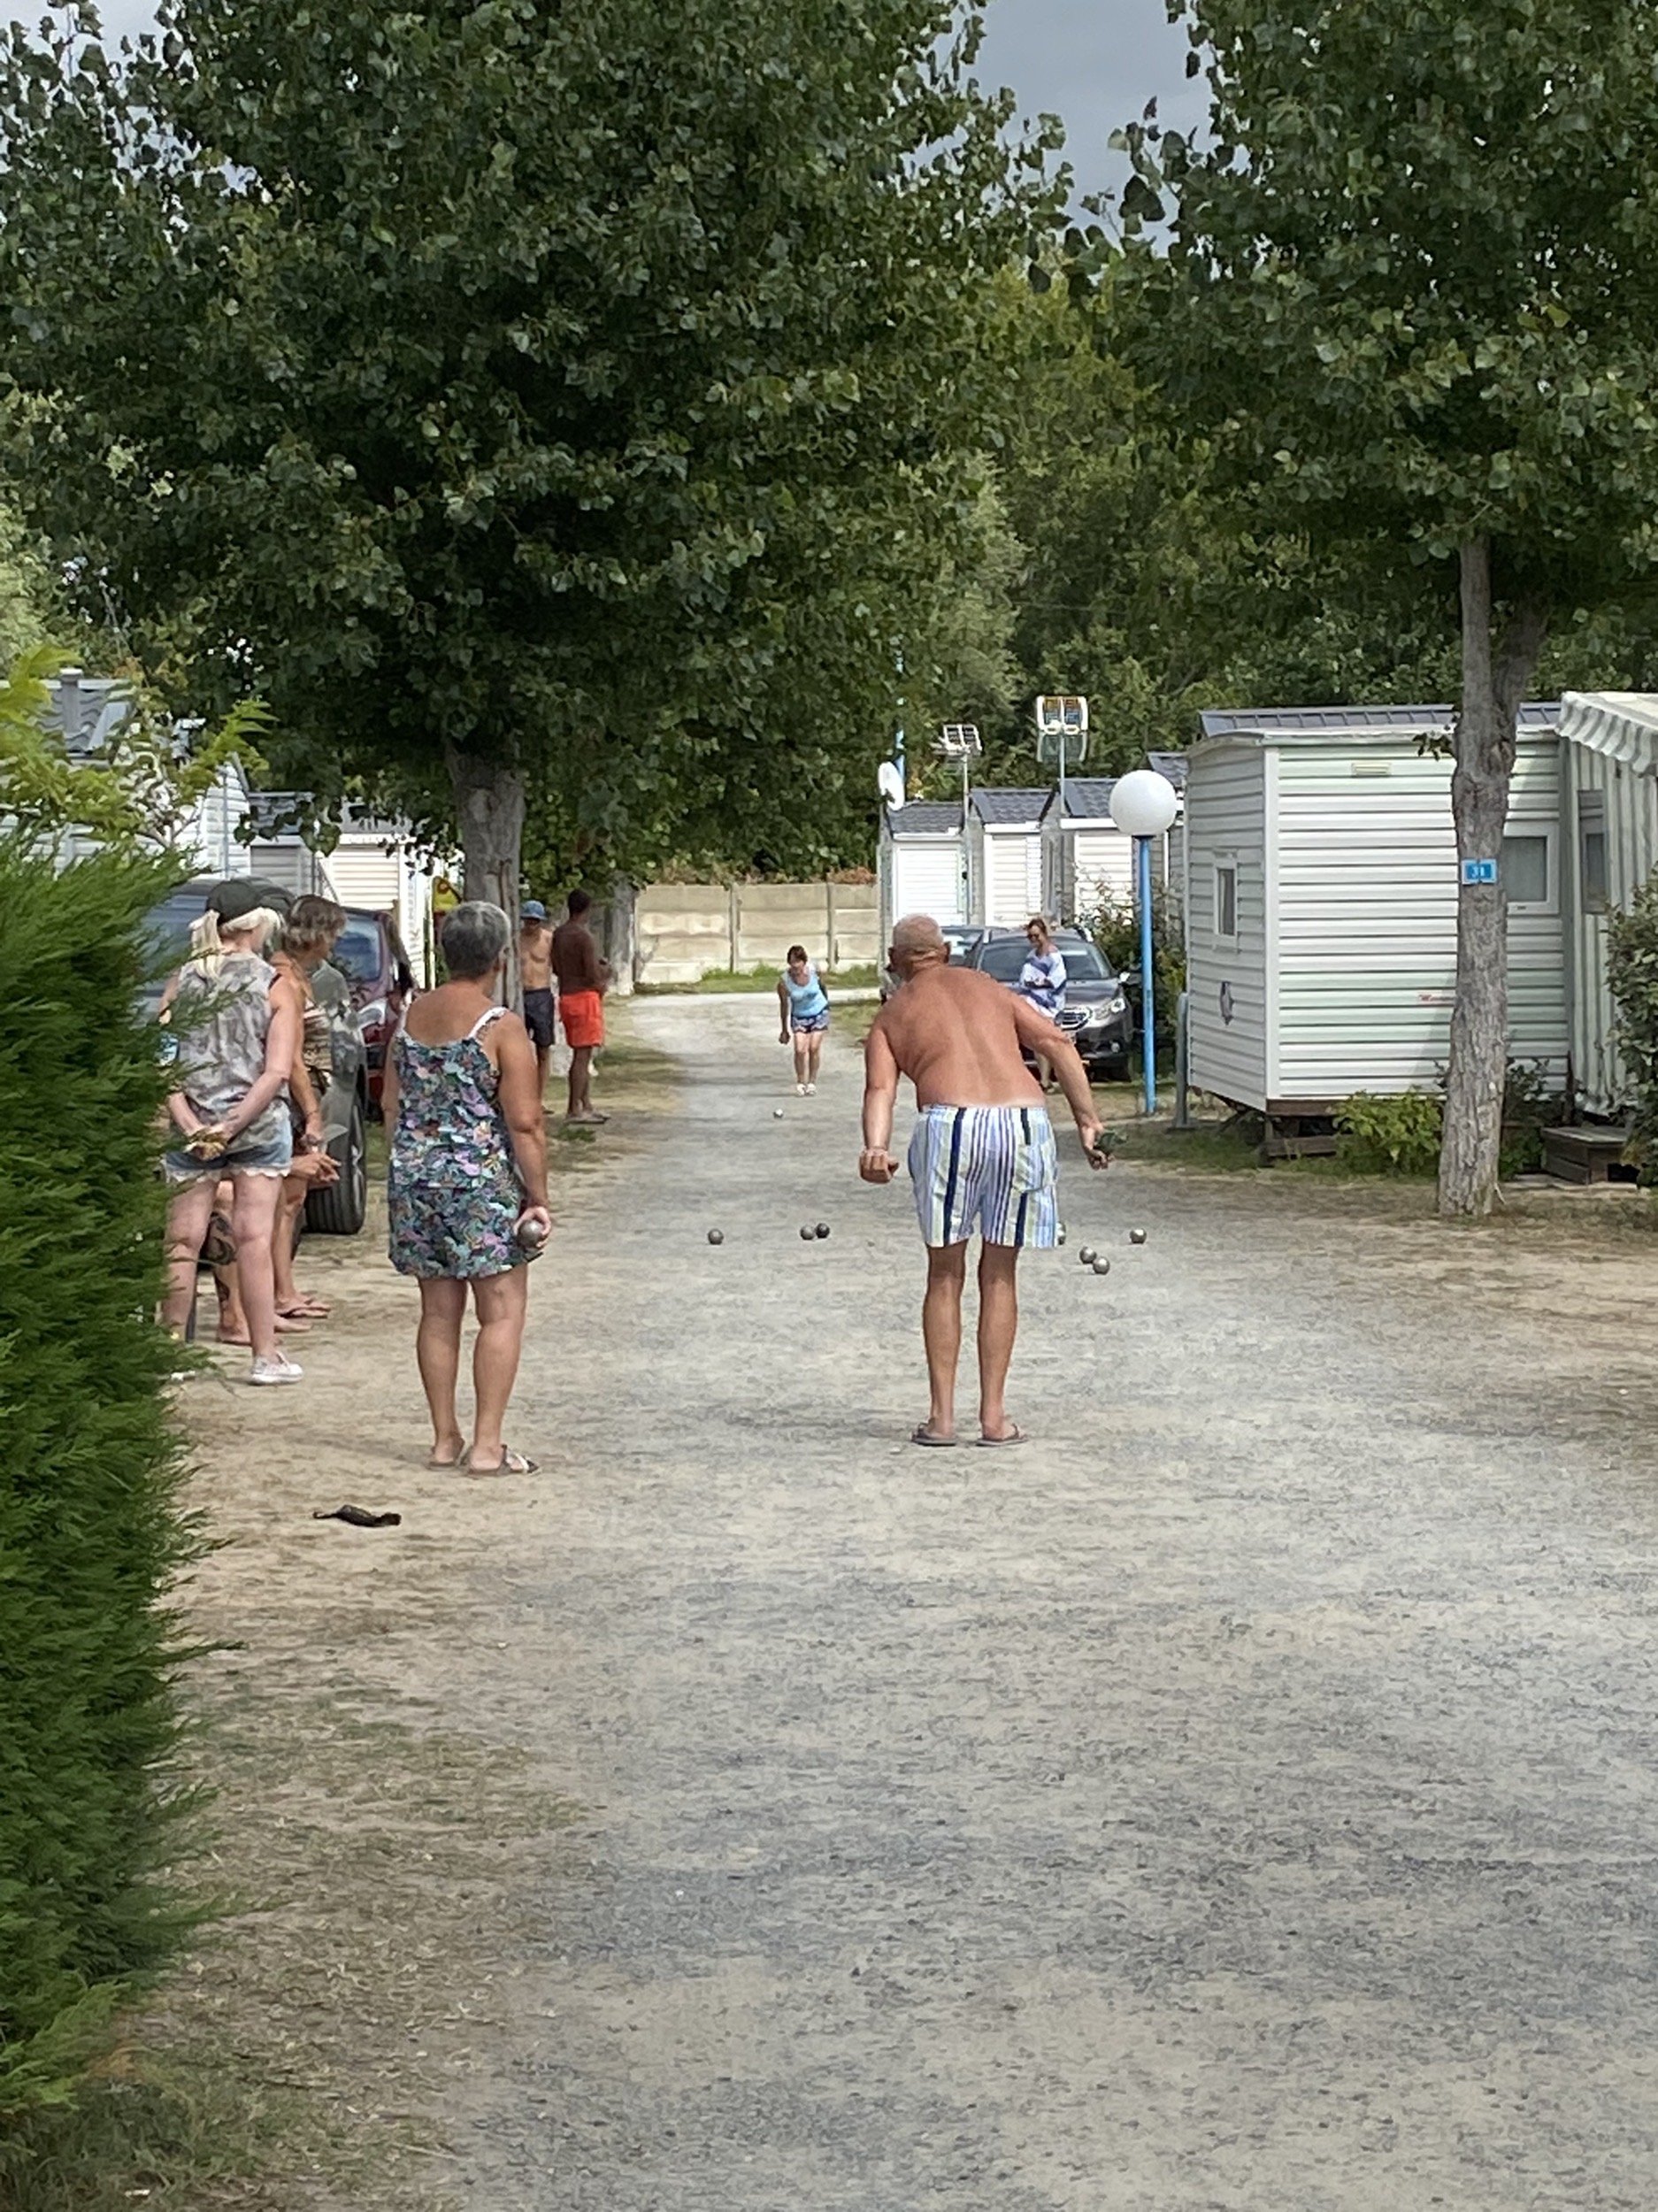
(982, 1156)
(535, 971)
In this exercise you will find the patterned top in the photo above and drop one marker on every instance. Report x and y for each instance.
(454, 1190)
(222, 1022)
(1042, 980)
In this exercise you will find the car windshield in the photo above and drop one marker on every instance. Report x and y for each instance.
(357, 952)
(1004, 957)
(167, 927)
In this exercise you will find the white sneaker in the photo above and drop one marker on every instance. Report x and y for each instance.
(799, 1090)
(277, 1369)
(811, 1090)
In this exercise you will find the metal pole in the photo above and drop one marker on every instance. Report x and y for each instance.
(1059, 889)
(1148, 1009)
(1182, 1063)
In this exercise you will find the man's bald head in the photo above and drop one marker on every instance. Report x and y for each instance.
(917, 941)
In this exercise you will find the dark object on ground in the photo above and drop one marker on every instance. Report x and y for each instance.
(1087, 1255)
(1060, 1238)
(777, 1113)
(359, 1516)
(716, 1236)
(1137, 1236)
(822, 1229)
(1102, 1267)
(807, 1234)
(924, 1437)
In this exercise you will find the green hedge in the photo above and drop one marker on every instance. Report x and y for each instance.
(1631, 969)
(90, 1534)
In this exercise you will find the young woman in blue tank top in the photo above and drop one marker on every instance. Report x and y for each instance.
(804, 1007)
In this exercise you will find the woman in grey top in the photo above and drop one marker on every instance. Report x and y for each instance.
(236, 1023)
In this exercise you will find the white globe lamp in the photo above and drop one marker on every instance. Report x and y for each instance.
(1143, 806)
(1144, 803)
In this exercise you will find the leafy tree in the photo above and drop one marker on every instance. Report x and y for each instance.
(1406, 296)
(564, 399)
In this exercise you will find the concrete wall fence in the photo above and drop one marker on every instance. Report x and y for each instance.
(685, 930)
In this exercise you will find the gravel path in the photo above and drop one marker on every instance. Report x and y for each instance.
(1243, 1796)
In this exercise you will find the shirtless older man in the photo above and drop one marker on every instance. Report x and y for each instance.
(982, 1156)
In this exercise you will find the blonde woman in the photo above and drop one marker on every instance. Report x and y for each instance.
(237, 1026)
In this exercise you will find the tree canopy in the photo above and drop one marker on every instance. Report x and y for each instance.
(1405, 298)
(582, 397)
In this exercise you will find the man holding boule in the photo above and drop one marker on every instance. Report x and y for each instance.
(982, 1156)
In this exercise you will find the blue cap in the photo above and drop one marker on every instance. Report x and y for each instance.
(532, 910)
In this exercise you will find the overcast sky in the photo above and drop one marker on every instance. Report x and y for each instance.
(1094, 62)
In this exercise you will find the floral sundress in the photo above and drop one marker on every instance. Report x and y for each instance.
(454, 1191)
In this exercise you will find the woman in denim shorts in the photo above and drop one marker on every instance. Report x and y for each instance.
(236, 1023)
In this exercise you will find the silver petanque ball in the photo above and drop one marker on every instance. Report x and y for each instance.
(777, 1113)
(531, 1235)
(1087, 1255)
(1102, 1267)
(808, 1234)
(1137, 1236)
(716, 1236)
(822, 1229)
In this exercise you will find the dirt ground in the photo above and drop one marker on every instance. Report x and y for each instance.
(1240, 1796)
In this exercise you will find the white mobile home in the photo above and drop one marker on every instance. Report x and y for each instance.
(921, 866)
(1321, 914)
(1087, 859)
(1004, 856)
(1610, 848)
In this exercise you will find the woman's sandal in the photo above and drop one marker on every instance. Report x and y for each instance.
(924, 1436)
(511, 1462)
(449, 1464)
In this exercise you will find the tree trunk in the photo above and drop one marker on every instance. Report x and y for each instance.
(1494, 678)
(490, 814)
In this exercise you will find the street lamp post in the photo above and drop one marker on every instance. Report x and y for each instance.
(1143, 806)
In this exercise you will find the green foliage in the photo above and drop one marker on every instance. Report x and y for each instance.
(1633, 975)
(1529, 1107)
(501, 383)
(1115, 927)
(134, 791)
(1390, 1136)
(89, 1535)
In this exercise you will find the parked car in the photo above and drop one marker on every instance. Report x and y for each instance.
(338, 1210)
(960, 937)
(1096, 1016)
(371, 956)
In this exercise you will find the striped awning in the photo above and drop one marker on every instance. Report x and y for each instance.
(1621, 725)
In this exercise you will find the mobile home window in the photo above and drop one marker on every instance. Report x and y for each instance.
(1526, 870)
(1226, 899)
(1593, 877)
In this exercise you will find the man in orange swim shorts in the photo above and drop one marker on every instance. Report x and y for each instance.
(582, 978)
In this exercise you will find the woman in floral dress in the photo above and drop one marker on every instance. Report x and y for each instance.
(468, 1176)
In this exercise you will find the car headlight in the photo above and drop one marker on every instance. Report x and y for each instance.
(1119, 1005)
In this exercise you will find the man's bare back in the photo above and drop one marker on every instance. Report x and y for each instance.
(535, 956)
(954, 1033)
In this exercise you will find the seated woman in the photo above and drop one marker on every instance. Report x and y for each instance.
(468, 1175)
(237, 1025)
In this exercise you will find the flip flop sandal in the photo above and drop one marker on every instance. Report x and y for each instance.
(511, 1462)
(1016, 1435)
(924, 1437)
(359, 1516)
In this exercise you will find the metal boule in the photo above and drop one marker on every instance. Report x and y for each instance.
(777, 1113)
(822, 1229)
(808, 1234)
(1102, 1267)
(1137, 1236)
(716, 1236)
(1087, 1255)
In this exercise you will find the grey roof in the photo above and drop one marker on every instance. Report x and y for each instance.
(926, 817)
(1088, 798)
(89, 709)
(1351, 721)
(993, 803)
(1170, 764)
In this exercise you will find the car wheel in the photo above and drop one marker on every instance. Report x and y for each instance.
(340, 1210)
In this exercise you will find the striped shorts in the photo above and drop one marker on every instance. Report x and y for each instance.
(989, 1168)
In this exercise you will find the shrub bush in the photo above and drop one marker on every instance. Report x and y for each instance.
(91, 1535)
(1631, 970)
(1390, 1136)
(1115, 927)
